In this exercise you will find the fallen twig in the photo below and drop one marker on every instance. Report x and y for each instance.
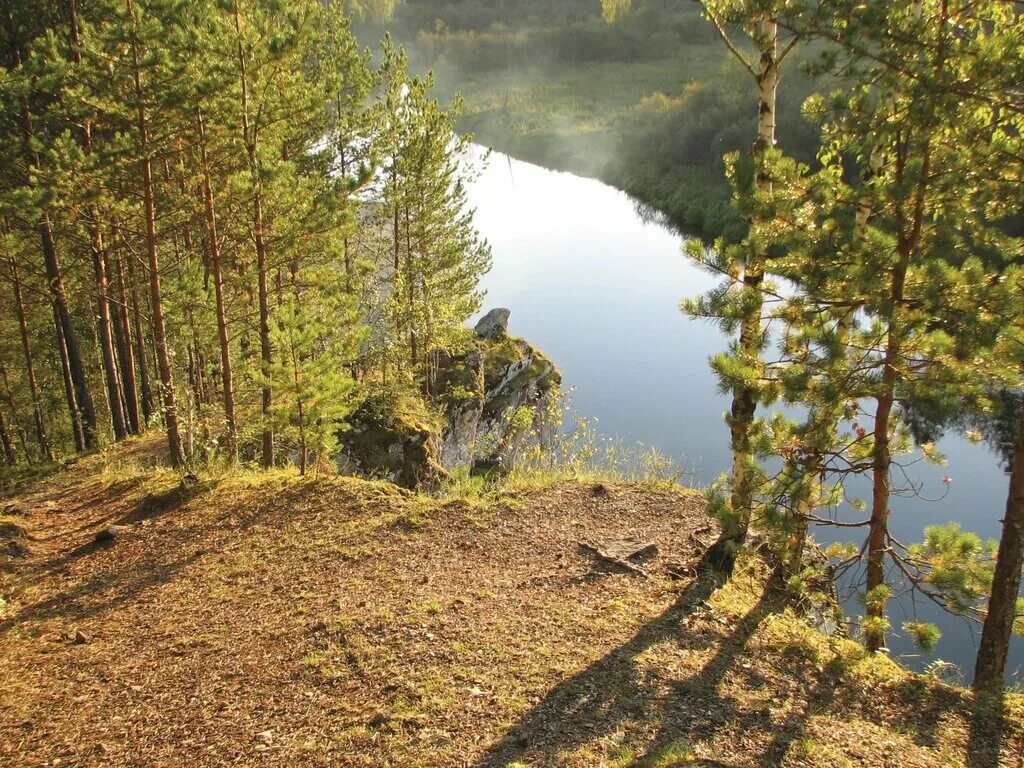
(611, 559)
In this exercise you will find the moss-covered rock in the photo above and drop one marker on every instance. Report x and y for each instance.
(483, 389)
(465, 416)
(393, 438)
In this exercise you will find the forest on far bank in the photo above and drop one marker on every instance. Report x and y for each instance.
(649, 104)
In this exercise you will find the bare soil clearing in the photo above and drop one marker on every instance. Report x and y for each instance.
(267, 620)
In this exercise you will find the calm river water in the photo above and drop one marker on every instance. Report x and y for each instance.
(597, 286)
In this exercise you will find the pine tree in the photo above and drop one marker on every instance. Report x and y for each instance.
(437, 257)
(898, 266)
(27, 98)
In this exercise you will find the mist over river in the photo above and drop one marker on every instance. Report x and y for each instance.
(596, 285)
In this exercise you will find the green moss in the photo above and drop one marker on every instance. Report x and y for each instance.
(394, 435)
(499, 355)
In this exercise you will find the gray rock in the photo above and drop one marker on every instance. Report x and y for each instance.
(494, 324)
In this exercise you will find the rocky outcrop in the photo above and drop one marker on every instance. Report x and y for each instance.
(493, 325)
(475, 396)
(483, 390)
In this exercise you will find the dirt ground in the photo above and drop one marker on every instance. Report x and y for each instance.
(265, 620)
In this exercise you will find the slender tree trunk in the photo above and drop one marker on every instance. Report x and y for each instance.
(252, 152)
(99, 261)
(5, 435)
(881, 456)
(410, 278)
(84, 408)
(990, 667)
(303, 450)
(397, 262)
(5, 440)
(123, 337)
(878, 527)
(149, 205)
(141, 358)
(69, 385)
(227, 377)
(30, 372)
(266, 351)
(9, 398)
(8, 448)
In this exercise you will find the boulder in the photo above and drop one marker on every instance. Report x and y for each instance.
(494, 324)
(392, 438)
(470, 409)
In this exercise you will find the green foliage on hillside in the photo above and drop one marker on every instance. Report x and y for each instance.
(649, 104)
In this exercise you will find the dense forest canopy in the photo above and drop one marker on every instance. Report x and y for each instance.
(219, 203)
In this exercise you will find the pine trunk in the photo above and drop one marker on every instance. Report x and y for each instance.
(9, 399)
(881, 456)
(69, 385)
(252, 152)
(990, 667)
(123, 339)
(99, 262)
(227, 378)
(145, 382)
(266, 352)
(878, 527)
(149, 205)
(30, 372)
(5, 440)
(85, 412)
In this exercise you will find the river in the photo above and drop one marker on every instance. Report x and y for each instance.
(597, 285)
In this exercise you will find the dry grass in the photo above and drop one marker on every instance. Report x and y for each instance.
(268, 620)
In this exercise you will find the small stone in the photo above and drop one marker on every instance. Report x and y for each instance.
(264, 736)
(79, 638)
(494, 324)
(109, 535)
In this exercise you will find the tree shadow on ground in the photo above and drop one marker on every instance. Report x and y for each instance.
(614, 690)
(620, 696)
(988, 725)
(118, 513)
(152, 563)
